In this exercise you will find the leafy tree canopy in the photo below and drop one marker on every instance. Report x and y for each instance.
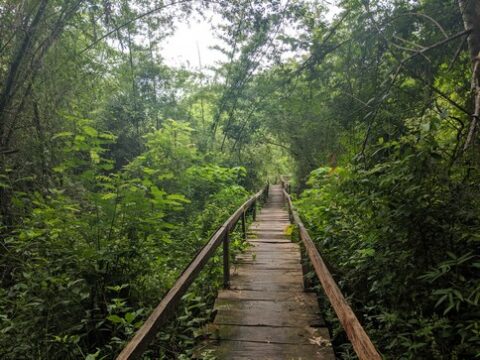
(115, 168)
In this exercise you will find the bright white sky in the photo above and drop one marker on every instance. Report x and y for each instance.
(196, 36)
(191, 39)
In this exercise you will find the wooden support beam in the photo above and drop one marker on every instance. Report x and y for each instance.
(244, 226)
(226, 261)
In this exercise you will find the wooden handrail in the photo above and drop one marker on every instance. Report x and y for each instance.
(362, 344)
(167, 305)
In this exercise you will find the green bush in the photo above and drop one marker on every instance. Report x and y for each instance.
(91, 260)
(402, 238)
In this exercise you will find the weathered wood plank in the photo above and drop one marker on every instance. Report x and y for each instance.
(290, 304)
(270, 225)
(282, 218)
(240, 350)
(272, 263)
(279, 230)
(278, 275)
(266, 286)
(272, 317)
(288, 246)
(263, 310)
(273, 254)
(301, 298)
(272, 240)
(244, 264)
(269, 256)
(268, 235)
(271, 334)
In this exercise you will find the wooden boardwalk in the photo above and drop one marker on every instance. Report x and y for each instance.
(266, 314)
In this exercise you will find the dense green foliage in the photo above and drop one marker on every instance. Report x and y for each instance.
(116, 168)
(97, 253)
(409, 266)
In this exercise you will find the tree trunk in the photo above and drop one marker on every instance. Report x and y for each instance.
(20, 54)
(470, 10)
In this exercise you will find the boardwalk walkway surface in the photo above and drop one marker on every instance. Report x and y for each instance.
(266, 314)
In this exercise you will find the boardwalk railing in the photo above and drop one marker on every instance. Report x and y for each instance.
(165, 309)
(362, 344)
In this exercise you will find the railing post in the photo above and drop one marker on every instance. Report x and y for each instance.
(226, 260)
(306, 268)
(254, 210)
(244, 225)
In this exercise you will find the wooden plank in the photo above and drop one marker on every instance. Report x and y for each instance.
(270, 240)
(267, 230)
(263, 220)
(280, 261)
(268, 235)
(271, 318)
(274, 254)
(266, 215)
(265, 256)
(301, 298)
(269, 247)
(291, 266)
(271, 230)
(271, 334)
(266, 286)
(258, 259)
(268, 219)
(270, 225)
(280, 275)
(261, 311)
(266, 279)
(276, 251)
(240, 350)
(271, 221)
(291, 305)
(266, 262)
(272, 263)
(247, 278)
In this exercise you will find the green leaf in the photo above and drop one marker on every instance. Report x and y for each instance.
(90, 131)
(108, 196)
(129, 317)
(115, 319)
(178, 197)
(149, 171)
(92, 356)
(62, 134)
(94, 156)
